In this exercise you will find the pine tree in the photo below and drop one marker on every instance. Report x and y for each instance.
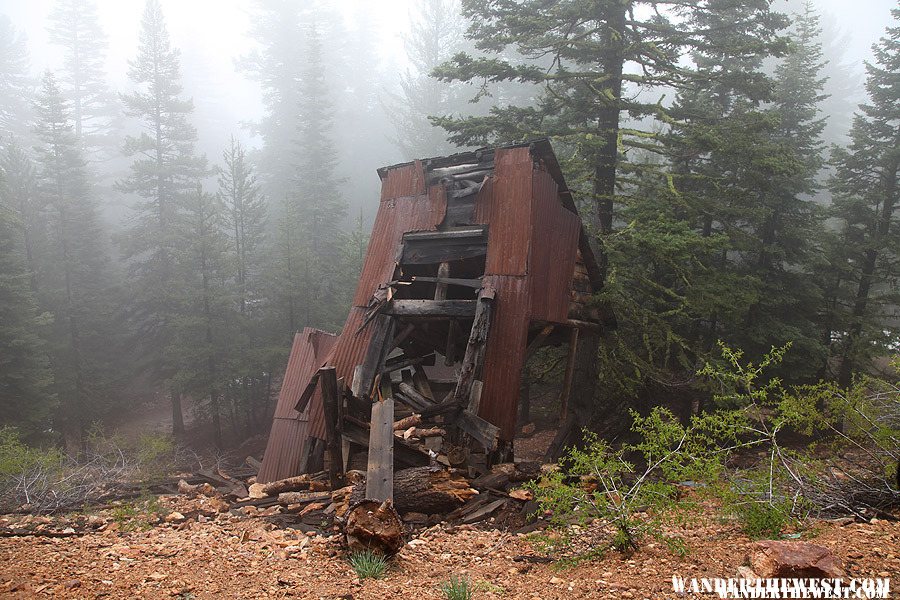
(435, 36)
(78, 282)
(164, 169)
(317, 207)
(26, 395)
(21, 197)
(74, 26)
(200, 340)
(16, 84)
(245, 209)
(865, 188)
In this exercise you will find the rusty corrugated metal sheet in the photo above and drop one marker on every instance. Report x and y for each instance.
(509, 215)
(347, 352)
(289, 428)
(554, 247)
(505, 353)
(395, 217)
(403, 180)
(283, 450)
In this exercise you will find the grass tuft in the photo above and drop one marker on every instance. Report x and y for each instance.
(368, 564)
(458, 588)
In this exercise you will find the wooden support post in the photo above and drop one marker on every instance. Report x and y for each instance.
(474, 355)
(570, 373)
(332, 410)
(537, 342)
(452, 333)
(380, 471)
(440, 289)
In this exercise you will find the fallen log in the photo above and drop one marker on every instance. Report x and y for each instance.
(405, 423)
(302, 497)
(374, 526)
(291, 484)
(427, 490)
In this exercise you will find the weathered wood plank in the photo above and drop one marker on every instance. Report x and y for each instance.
(470, 283)
(570, 374)
(440, 287)
(404, 453)
(380, 470)
(431, 308)
(474, 355)
(480, 430)
(332, 412)
(404, 361)
(379, 346)
(422, 385)
(411, 392)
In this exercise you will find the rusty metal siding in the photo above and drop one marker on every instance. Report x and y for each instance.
(403, 180)
(283, 450)
(509, 216)
(289, 428)
(348, 351)
(505, 353)
(554, 247)
(395, 217)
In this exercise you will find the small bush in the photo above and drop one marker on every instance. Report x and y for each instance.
(458, 588)
(762, 520)
(368, 564)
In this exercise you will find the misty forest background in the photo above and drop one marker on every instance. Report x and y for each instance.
(738, 173)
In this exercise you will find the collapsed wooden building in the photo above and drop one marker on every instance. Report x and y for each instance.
(475, 260)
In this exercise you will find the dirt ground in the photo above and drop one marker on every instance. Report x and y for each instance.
(235, 556)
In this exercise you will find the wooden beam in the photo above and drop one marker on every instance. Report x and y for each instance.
(450, 352)
(421, 383)
(455, 234)
(570, 373)
(404, 361)
(575, 323)
(474, 355)
(470, 283)
(537, 342)
(307, 393)
(440, 287)
(332, 410)
(380, 470)
(431, 308)
(411, 392)
(480, 430)
(404, 453)
(379, 346)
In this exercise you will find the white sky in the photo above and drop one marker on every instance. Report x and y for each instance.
(212, 33)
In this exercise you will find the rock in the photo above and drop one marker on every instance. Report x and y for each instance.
(556, 581)
(528, 429)
(72, 584)
(174, 517)
(780, 559)
(415, 517)
(256, 491)
(745, 572)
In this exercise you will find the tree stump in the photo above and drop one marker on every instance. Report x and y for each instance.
(374, 526)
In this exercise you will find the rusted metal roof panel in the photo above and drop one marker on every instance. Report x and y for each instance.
(395, 217)
(509, 213)
(403, 180)
(283, 450)
(505, 353)
(308, 353)
(348, 351)
(554, 247)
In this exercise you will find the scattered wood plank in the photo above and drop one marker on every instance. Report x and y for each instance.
(484, 511)
(404, 362)
(418, 398)
(286, 498)
(407, 422)
(422, 385)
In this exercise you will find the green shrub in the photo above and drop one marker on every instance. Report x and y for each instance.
(368, 564)
(762, 519)
(457, 588)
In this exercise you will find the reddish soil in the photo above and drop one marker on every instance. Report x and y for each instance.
(234, 556)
